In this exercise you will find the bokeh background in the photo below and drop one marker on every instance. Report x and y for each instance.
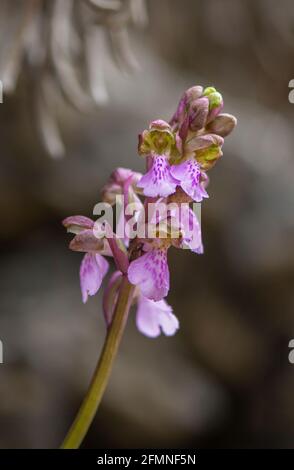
(224, 380)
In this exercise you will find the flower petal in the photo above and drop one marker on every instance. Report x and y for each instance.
(190, 177)
(155, 317)
(192, 237)
(151, 273)
(86, 241)
(158, 181)
(93, 269)
(77, 223)
(121, 175)
(222, 125)
(102, 264)
(202, 142)
(198, 113)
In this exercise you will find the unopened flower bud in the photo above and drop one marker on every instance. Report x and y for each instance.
(198, 113)
(190, 95)
(159, 125)
(116, 182)
(184, 129)
(222, 125)
(194, 93)
(121, 175)
(209, 90)
(86, 241)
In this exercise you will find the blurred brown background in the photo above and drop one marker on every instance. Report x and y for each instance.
(225, 379)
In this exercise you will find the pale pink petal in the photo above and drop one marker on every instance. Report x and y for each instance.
(77, 223)
(86, 241)
(192, 237)
(180, 112)
(102, 264)
(190, 177)
(120, 175)
(93, 269)
(151, 273)
(155, 317)
(158, 181)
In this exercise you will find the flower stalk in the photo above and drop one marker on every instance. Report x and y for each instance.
(103, 370)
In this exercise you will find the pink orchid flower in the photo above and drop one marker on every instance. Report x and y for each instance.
(178, 155)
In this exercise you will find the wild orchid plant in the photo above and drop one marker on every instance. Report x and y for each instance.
(155, 214)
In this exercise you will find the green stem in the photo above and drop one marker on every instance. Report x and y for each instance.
(103, 369)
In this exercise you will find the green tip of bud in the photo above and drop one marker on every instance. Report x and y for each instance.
(208, 90)
(222, 125)
(215, 98)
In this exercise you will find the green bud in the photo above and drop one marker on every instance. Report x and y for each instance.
(215, 100)
(214, 97)
(208, 90)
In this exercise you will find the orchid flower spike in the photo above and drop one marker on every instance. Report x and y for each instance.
(178, 155)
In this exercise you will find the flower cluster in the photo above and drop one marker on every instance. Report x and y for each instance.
(178, 155)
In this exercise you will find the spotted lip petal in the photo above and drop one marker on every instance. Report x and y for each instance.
(155, 317)
(151, 273)
(158, 181)
(190, 177)
(92, 271)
